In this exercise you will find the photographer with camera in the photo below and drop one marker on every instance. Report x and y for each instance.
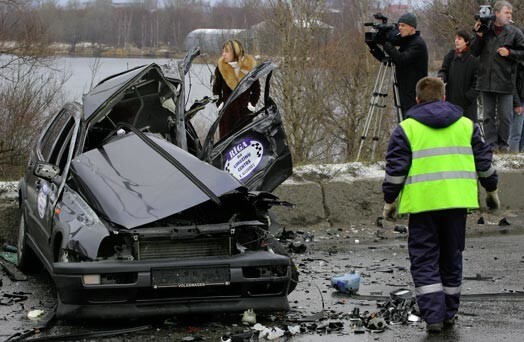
(500, 46)
(410, 60)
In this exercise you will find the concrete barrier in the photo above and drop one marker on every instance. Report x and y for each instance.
(309, 204)
(321, 204)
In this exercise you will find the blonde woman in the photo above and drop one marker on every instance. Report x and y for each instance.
(232, 67)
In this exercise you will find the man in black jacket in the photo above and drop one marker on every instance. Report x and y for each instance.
(500, 48)
(459, 72)
(411, 58)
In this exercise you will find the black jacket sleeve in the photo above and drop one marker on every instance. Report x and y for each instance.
(476, 45)
(444, 69)
(472, 93)
(518, 93)
(218, 85)
(376, 51)
(516, 98)
(407, 57)
(486, 172)
(516, 52)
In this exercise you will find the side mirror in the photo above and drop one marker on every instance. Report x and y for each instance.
(46, 171)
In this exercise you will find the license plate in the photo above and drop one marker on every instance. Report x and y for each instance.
(190, 276)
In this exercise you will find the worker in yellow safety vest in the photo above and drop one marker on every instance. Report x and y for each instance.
(434, 159)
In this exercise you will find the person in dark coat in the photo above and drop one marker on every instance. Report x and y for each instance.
(500, 48)
(516, 130)
(411, 59)
(232, 67)
(459, 73)
(433, 161)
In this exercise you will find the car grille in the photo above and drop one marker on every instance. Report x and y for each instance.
(184, 249)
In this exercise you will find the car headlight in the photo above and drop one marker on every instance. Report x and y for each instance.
(91, 279)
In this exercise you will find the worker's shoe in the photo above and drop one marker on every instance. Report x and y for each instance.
(448, 323)
(434, 327)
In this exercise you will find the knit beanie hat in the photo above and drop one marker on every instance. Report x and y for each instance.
(408, 18)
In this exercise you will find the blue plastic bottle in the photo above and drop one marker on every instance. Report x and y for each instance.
(347, 283)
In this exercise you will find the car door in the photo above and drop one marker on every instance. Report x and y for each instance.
(256, 152)
(53, 148)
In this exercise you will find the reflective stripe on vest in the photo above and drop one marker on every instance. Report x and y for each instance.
(442, 173)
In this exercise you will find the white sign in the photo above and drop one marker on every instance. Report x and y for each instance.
(42, 204)
(42, 200)
(243, 158)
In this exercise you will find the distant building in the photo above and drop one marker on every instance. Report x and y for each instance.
(149, 4)
(211, 40)
(257, 38)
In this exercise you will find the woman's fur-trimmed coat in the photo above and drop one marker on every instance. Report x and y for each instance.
(226, 81)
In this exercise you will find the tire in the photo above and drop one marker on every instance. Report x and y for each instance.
(277, 247)
(27, 260)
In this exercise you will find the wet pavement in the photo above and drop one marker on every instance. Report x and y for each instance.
(492, 302)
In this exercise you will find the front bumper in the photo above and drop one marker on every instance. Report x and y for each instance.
(140, 298)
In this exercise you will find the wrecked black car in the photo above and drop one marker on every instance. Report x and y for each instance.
(132, 215)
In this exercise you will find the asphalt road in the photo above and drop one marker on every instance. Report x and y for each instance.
(492, 307)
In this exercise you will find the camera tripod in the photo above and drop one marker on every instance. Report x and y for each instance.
(386, 73)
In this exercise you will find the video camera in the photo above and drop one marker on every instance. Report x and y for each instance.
(485, 16)
(384, 32)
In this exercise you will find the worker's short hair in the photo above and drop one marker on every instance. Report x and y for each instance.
(501, 4)
(430, 89)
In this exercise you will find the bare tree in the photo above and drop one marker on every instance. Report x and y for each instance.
(352, 72)
(94, 68)
(181, 17)
(22, 35)
(300, 82)
(27, 90)
(28, 94)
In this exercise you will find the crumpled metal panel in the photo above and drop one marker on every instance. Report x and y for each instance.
(109, 88)
(133, 185)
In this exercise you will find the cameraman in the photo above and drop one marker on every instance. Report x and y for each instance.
(500, 47)
(411, 59)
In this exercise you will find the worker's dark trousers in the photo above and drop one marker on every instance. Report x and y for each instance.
(436, 241)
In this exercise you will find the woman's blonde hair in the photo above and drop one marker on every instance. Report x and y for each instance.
(236, 47)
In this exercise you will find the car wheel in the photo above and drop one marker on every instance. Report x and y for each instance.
(277, 247)
(27, 259)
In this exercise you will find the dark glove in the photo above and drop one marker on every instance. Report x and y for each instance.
(492, 200)
(390, 211)
(388, 47)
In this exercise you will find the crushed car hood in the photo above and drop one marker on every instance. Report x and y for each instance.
(132, 185)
